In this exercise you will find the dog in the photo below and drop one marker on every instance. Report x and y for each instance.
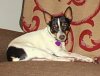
(46, 44)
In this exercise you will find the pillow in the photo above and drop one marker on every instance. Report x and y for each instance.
(84, 37)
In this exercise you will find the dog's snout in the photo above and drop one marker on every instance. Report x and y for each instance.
(62, 37)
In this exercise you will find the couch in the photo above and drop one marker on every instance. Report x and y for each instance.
(40, 68)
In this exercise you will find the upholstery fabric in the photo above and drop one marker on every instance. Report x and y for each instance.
(48, 69)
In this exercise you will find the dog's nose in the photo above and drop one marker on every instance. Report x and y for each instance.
(62, 37)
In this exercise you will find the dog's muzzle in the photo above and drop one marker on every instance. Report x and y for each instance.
(61, 36)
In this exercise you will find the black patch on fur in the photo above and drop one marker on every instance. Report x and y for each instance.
(65, 24)
(15, 52)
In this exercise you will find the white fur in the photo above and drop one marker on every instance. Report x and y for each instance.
(60, 32)
(40, 45)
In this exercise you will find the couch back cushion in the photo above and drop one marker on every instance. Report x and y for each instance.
(5, 37)
(84, 37)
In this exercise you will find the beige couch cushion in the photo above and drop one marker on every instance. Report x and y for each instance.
(48, 69)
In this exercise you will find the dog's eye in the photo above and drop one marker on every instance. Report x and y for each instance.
(64, 24)
(55, 28)
(65, 27)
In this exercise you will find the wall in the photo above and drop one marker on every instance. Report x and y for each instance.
(10, 11)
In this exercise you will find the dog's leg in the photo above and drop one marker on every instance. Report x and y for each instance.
(15, 54)
(82, 58)
(73, 56)
(66, 59)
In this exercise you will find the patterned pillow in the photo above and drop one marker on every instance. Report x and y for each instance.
(84, 37)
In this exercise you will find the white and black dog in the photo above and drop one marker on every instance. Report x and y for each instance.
(46, 44)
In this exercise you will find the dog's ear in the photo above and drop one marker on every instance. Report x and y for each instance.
(47, 17)
(68, 13)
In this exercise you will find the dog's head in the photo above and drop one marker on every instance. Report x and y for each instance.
(59, 25)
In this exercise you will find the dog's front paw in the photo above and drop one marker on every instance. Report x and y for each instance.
(86, 59)
(97, 60)
(66, 59)
(70, 59)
